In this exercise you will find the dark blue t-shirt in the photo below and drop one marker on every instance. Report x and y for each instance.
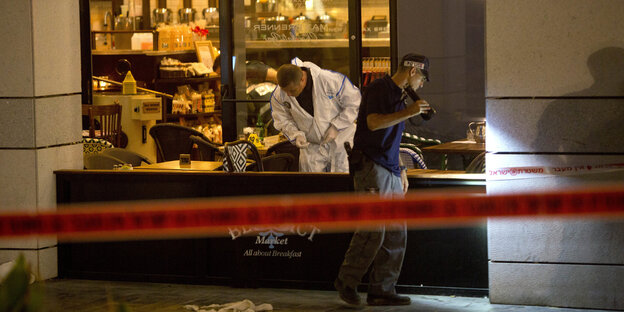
(382, 96)
(305, 98)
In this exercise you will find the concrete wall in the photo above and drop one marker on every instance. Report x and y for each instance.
(40, 114)
(555, 97)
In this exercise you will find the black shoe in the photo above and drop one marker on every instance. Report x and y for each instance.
(346, 293)
(388, 300)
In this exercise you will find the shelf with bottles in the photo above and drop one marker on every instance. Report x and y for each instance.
(374, 68)
(172, 39)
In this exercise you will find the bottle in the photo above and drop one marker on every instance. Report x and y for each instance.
(129, 84)
(260, 128)
(174, 35)
(164, 40)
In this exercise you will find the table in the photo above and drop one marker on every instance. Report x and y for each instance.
(457, 147)
(196, 165)
(444, 178)
(468, 150)
(444, 174)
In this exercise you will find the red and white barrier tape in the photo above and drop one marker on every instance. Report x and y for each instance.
(511, 173)
(332, 211)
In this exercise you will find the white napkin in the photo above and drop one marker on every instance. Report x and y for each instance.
(238, 306)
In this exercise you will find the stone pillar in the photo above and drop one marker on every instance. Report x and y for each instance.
(555, 98)
(40, 121)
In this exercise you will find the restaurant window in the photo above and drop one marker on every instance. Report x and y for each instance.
(170, 47)
(265, 34)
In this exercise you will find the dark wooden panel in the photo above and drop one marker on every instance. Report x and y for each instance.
(444, 261)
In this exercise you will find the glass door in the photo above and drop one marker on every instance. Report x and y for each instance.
(375, 40)
(266, 34)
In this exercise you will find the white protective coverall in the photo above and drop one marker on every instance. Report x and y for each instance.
(336, 102)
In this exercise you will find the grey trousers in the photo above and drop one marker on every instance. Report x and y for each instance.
(382, 246)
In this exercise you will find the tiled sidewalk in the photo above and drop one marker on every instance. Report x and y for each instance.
(87, 295)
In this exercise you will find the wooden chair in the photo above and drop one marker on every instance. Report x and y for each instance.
(109, 119)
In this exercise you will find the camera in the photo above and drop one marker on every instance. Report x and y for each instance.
(412, 95)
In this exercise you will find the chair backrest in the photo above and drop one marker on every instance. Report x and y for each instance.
(411, 156)
(109, 119)
(288, 148)
(418, 141)
(86, 120)
(424, 142)
(279, 162)
(236, 155)
(101, 161)
(173, 140)
(207, 151)
(127, 156)
(91, 146)
(477, 165)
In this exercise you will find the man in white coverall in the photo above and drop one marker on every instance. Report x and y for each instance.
(316, 110)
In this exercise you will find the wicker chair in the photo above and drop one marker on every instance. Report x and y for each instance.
(411, 156)
(236, 155)
(285, 147)
(423, 142)
(208, 151)
(173, 140)
(477, 165)
(279, 162)
(101, 161)
(127, 156)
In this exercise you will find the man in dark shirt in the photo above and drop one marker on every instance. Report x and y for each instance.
(380, 123)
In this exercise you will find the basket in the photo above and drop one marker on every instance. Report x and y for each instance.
(173, 72)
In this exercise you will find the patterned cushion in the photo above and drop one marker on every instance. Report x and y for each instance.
(415, 157)
(238, 153)
(91, 146)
